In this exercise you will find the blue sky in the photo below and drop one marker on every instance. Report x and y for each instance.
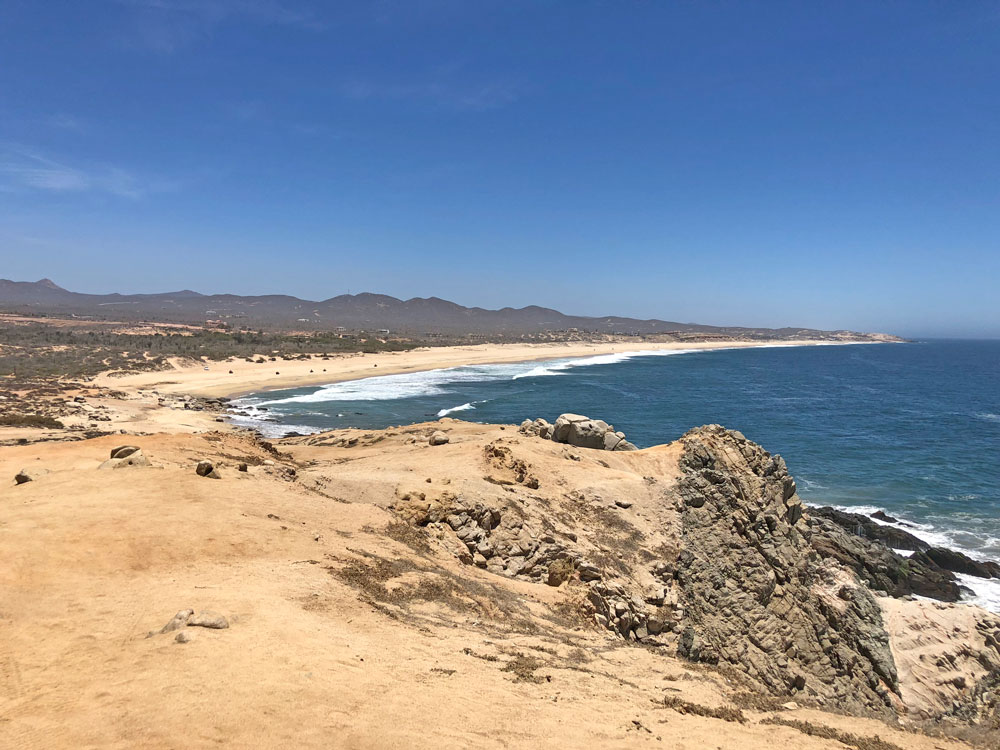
(818, 164)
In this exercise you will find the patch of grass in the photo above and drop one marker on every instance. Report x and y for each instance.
(489, 603)
(829, 733)
(413, 537)
(523, 668)
(686, 707)
(757, 701)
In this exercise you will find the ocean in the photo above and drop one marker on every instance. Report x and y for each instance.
(912, 429)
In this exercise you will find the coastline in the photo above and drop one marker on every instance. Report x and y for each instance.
(233, 378)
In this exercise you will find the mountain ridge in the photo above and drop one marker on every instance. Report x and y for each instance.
(363, 311)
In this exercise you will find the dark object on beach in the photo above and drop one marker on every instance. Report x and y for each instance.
(206, 469)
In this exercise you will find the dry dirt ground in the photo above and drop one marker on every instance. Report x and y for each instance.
(347, 628)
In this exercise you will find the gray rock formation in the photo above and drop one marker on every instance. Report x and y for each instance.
(754, 592)
(579, 431)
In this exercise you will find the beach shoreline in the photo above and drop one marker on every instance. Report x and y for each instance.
(234, 378)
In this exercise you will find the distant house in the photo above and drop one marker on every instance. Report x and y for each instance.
(383, 331)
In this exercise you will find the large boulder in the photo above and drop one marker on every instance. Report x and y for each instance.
(584, 432)
(561, 429)
(125, 456)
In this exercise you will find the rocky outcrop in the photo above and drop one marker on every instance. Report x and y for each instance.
(957, 562)
(728, 575)
(866, 547)
(756, 595)
(866, 527)
(579, 431)
(877, 565)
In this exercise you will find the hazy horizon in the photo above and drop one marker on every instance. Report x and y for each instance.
(724, 164)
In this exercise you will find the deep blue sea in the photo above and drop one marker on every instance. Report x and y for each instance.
(913, 429)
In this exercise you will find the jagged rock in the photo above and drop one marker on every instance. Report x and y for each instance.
(123, 451)
(209, 620)
(206, 469)
(957, 562)
(878, 566)
(438, 438)
(982, 704)
(860, 525)
(756, 596)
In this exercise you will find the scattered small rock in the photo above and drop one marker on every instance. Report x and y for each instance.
(439, 438)
(185, 636)
(177, 622)
(29, 475)
(206, 469)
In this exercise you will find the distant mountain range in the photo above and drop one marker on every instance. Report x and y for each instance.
(369, 312)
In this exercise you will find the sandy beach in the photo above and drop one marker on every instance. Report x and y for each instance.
(237, 377)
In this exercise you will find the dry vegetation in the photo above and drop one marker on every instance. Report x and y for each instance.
(37, 350)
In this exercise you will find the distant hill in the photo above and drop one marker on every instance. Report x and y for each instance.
(370, 312)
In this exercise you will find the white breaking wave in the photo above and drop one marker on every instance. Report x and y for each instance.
(463, 407)
(557, 367)
(272, 429)
(986, 591)
(436, 382)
